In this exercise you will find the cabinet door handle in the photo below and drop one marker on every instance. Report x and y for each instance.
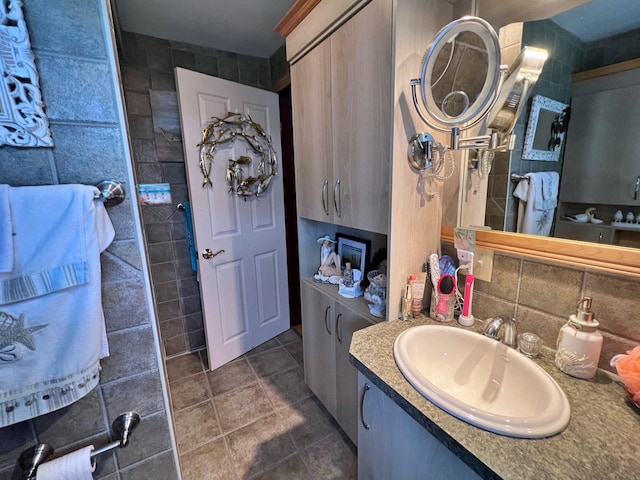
(326, 318)
(600, 238)
(339, 330)
(365, 389)
(325, 196)
(337, 200)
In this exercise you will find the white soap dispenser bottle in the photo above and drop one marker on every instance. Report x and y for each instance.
(579, 343)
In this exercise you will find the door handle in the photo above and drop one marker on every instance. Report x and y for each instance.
(325, 196)
(635, 190)
(326, 318)
(365, 389)
(207, 253)
(339, 330)
(337, 201)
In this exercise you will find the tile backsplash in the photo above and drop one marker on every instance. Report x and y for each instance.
(541, 296)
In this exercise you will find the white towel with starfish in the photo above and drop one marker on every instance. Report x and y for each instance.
(52, 332)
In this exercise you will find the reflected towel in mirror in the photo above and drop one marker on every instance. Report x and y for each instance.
(538, 198)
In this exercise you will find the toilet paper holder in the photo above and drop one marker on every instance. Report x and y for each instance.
(121, 429)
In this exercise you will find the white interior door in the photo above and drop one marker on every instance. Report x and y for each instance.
(244, 290)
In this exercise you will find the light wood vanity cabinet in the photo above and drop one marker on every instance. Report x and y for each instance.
(311, 99)
(342, 123)
(351, 66)
(396, 446)
(327, 329)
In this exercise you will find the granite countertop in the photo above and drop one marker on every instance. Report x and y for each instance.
(600, 442)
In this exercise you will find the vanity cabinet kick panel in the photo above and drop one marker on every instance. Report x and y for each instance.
(327, 370)
(342, 126)
(396, 446)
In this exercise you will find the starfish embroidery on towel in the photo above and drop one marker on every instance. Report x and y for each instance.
(12, 330)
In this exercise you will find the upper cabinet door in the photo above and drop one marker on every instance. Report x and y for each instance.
(311, 98)
(361, 118)
(601, 157)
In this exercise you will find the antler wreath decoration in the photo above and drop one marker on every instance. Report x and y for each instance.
(227, 129)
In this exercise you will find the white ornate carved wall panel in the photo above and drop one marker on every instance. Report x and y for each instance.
(23, 122)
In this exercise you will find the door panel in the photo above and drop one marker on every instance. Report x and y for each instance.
(244, 288)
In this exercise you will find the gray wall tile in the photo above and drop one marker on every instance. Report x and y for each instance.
(135, 79)
(76, 90)
(83, 153)
(26, 166)
(127, 304)
(155, 467)
(131, 353)
(14, 439)
(141, 394)
(138, 103)
(550, 288)
(67, 27)
(154, 429)
(72, 424)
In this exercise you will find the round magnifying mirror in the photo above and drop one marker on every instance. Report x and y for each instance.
(460, 73)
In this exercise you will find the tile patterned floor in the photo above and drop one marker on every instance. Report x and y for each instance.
(255, 419)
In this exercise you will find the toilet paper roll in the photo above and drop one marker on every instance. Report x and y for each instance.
(77, 465)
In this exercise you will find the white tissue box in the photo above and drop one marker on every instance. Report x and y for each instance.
(350, 292)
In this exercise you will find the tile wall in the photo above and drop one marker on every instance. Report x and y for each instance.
(68, 40)
(147, 65)
(541, 296)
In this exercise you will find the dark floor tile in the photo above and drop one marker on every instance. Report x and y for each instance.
(195, 426)
(295, 350)
(241, 407)
(183, 366)
(286, 388)
(189, 391)
(288, 336)
(259, 446)
(233, 375)
(307, 422)
(331, 458)
(210, 461)
(293, 468)
(268, 345)
(273, 361)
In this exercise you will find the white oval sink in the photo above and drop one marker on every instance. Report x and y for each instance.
(482, 381)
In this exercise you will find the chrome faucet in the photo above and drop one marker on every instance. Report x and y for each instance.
(502, 329)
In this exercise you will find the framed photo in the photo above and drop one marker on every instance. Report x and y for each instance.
(354, 250)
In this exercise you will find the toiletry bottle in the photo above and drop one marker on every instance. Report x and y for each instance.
(579, 343)
(407, 299)
(348, 275)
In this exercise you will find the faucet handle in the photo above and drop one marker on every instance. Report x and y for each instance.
(493, 327)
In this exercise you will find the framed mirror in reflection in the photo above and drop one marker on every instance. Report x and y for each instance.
(546, 129)
(583, 43)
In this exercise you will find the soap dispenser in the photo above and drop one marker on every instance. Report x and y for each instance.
(579, 343)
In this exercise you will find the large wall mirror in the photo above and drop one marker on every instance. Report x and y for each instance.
(593, 36)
